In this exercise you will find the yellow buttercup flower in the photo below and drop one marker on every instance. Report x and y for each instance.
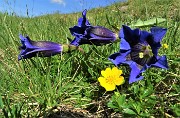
(111, 78)
(165, 46)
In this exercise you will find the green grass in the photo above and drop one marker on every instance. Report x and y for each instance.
(30, 88)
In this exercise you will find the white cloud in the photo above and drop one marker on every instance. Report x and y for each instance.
(61, 2)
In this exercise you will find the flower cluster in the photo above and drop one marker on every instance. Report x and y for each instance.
(138, 49)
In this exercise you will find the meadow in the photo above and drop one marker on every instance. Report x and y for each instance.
(66, 85)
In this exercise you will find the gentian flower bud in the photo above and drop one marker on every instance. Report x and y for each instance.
(31, 48)
(86, 34)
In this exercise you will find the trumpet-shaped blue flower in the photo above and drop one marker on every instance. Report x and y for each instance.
(86, 34)
(139, 50)
(31, 48)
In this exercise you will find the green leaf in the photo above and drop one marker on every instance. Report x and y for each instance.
(147, 92)
(136, 89)
(176, 109)
(137, 106)
(109, 22)
(145, 114)
(149, 22)
(117, 94)
(129, 111)
(121, 99)
(1, 103)
(111, 105)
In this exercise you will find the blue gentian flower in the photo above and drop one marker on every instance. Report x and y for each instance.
(31, 48)
(86, 34)
(139, 50)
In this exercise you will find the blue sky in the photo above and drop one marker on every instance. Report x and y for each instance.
(40, 7)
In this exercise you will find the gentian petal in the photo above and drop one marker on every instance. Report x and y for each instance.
(76, 41)
(118, 58)
(155, 39)
(131, 36)
(161, 62)
(26, 42)
(83, 22)
(47, 45)
(99, 31)
(144, 36)
(155, 47)
(77, 31)
(158, 62)
(124, 45)
(135, 74)
(158, 33)
(99, 35)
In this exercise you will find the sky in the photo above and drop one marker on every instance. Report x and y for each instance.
(41, 7)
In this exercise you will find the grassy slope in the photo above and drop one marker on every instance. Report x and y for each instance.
(38, 83)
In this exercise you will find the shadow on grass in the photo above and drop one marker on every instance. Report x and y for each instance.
(66, 112)
(70, 112)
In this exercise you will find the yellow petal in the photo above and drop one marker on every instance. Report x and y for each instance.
(103, 73)
(116, 71)
(110, 87)
(119, 81)
(102, 81)
(106, 73)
